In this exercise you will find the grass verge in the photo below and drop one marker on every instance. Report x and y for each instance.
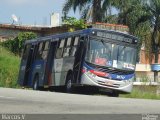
(9, 67)
(143, 92)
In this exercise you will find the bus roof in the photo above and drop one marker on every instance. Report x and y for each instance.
(79, 32)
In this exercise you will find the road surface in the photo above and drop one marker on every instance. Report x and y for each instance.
(37, 102)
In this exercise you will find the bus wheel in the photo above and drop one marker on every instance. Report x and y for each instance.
(36, 83)
(68, 85)
(115, 94)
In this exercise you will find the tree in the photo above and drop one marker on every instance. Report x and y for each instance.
(22, 37)
(74, 23)
(94, 9)
(153, 8)
(17, 44)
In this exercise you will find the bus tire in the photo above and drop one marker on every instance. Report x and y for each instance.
(68, 84)
(115, 94)
(36, 83)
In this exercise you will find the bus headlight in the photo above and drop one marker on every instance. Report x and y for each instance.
(127, 81)
(90, 74)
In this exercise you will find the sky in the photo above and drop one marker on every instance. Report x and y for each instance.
(31, 12)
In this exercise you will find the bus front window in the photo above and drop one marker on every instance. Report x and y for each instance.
(126, 57)
(111, 55)
(99, 53)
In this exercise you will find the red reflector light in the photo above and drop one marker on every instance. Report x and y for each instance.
(49, 79)
(99, 73)
(83, 70)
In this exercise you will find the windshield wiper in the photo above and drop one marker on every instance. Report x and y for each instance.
(120, 51)
(102, 42)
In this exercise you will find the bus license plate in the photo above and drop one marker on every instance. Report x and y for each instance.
(109, 83)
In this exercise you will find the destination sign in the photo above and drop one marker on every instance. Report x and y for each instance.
(114, 37)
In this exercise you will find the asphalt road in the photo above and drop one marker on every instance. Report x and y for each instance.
(44, 102)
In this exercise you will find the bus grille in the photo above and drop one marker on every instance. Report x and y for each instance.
(104, 84)
(110, 70)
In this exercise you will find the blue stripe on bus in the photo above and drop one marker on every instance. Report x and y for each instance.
(112, 76)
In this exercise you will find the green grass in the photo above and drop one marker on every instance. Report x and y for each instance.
(9, 67)
(143, 92)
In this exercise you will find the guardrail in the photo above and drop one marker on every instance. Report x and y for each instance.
(145, 83)
(107, 26)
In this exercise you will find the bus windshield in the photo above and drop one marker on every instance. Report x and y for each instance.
(111, 55)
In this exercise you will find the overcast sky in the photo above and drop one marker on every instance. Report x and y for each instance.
(31, 11)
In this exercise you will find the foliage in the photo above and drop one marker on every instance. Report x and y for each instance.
(17, 44)
(94, 10)
(74, 23)
(143, 19)
(113, 19)
(153, 8)
(9, 66)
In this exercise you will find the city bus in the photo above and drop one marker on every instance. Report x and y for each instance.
(91, 57)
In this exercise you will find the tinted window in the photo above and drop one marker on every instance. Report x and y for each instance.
(26, 52)
(75, 42)
(66, 52)
(67, 47)
(62, 43)
(60, 48)
(69, 41)
(43, 48)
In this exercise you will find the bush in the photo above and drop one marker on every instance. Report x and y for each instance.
(9, 67)
(17, 44)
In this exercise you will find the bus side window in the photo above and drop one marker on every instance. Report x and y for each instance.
(39, 52)
(60, 49)
(26, 52)
(41, 47)
(75, 43)
(45, 50)
(67, 48)
(73, 51)
(66, 52)
(69, 40)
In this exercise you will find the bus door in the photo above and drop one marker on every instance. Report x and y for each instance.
(49, 74)
(79, 57)
(26, 63)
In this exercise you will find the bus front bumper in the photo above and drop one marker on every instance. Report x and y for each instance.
(93, 80)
